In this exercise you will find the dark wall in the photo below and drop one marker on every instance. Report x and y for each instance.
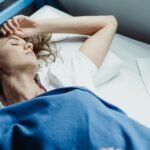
(133, 16)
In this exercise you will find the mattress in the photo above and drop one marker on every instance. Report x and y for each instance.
(127, 89)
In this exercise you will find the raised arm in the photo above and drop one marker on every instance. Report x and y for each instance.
(79, 25)
(100, 28)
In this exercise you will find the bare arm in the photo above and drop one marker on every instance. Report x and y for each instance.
(100, 28)
(79, 25)
(97, 46)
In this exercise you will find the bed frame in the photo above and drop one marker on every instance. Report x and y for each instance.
(19, 5)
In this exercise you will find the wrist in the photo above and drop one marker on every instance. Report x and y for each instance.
(42, 26)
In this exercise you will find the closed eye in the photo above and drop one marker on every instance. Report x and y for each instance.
(14, 43)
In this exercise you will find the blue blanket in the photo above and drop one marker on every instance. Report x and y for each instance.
(70, 118)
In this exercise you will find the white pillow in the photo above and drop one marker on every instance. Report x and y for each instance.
(109, 69)
(51, 12)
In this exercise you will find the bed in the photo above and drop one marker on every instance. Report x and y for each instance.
(125, 89)
(125, 81)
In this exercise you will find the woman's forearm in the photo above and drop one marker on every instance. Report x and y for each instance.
(78, 25)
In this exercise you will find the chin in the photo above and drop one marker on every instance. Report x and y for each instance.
(30, 64)
(32, 60)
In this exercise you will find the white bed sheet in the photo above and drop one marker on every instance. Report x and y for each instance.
(126, 90)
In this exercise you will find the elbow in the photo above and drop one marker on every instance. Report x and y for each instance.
(113, 21)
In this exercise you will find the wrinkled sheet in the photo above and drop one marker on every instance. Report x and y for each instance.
(69, 118)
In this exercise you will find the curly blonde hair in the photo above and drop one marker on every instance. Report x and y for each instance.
(42, 47)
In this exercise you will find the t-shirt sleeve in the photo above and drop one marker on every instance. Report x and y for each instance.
(74, 70)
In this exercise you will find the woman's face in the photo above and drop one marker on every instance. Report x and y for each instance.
(15, 53)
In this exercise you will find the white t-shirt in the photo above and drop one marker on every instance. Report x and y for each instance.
(75, 70)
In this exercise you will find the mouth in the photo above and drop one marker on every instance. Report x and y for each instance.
(30, 53)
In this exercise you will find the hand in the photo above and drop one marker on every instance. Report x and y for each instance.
(21, 26)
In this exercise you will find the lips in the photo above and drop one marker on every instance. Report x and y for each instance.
(30, 52)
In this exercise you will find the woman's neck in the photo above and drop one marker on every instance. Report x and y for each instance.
(19, 88)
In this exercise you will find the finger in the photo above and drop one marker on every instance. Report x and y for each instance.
(7, 28)
(19, 33)
(9, 22)
(16, 22)
(3, 31)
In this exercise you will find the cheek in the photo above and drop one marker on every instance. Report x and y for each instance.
(11, 54)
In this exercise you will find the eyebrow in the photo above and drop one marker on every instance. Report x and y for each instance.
(12, 38)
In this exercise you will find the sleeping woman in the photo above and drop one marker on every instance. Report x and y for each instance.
(68, 117)
(19, 76)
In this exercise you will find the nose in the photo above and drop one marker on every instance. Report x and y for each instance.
(28, 46)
